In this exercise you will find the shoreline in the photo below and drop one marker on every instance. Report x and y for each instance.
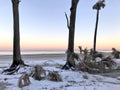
(33, 57)
(33, 54)
(40, 56)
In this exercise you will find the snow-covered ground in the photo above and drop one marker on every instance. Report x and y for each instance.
(71, 80)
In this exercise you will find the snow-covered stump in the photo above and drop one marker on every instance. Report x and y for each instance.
(54, 76)
(24, 81)
(39, 73)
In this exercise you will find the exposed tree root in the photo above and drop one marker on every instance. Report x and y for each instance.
(13, 69)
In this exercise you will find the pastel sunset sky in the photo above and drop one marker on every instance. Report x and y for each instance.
(43, 24)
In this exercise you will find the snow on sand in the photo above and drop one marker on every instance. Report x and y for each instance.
(71, 80)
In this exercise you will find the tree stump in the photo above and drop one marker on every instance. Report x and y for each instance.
(24, 81)
(54, 76)
(39, 73)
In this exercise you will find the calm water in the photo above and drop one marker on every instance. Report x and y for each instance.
(6, 56)
(30, 55)
(9, 52)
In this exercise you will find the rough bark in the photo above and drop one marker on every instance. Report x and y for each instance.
(16, 38)
(71, 27)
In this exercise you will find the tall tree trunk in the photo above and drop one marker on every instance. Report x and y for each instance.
(71, 28)
(95, 34)
(16, 39)
(72, 25)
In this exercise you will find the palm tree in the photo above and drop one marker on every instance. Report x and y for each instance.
(71, 27)
(17, 60)
(16, 39)
(97, 7)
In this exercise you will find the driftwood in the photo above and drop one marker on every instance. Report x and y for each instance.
(24, 81)
(115, 53)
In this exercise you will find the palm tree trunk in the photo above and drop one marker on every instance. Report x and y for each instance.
(72, 25)
(71, 32)
(16, 39)
(95, 34)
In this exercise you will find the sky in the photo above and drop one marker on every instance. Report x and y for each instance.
(43, 25)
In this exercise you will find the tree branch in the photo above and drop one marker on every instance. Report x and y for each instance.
(68, 23)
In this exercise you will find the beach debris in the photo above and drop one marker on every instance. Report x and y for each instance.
(73, 58)
(115, 53)
(108, 62)
(97, 54)
(24, 81)
(80, 49)
(39, 73)
(54, 76)
(95, 62)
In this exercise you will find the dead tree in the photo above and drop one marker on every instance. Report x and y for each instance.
(17, 60)
(71, 28)
(16, 40)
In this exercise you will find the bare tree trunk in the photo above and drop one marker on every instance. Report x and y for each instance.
(16, 39)
(95, 34)
(71, 27)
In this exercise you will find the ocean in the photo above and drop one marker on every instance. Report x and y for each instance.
(10, 52)
(33, 52)
(33, 55)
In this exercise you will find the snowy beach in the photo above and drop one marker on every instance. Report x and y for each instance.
(71, 80)
(51, 45)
